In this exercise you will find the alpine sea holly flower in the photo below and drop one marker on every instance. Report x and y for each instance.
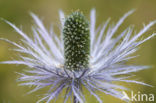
(82, 56)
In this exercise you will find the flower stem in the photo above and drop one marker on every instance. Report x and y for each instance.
(75, 100)
(78, 86)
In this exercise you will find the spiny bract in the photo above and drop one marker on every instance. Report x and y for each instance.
(103, 64)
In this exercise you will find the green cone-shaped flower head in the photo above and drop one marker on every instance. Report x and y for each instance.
(76, 41)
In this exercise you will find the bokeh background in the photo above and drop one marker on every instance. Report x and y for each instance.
(17, 11)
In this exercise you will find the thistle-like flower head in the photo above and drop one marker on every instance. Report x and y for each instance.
(82, 56)
(76, 42)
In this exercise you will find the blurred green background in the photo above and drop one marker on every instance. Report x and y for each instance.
(17, 11)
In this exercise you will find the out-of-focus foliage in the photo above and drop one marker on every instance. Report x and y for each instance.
(17, 11)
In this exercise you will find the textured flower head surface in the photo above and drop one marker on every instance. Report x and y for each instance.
(50, 56)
